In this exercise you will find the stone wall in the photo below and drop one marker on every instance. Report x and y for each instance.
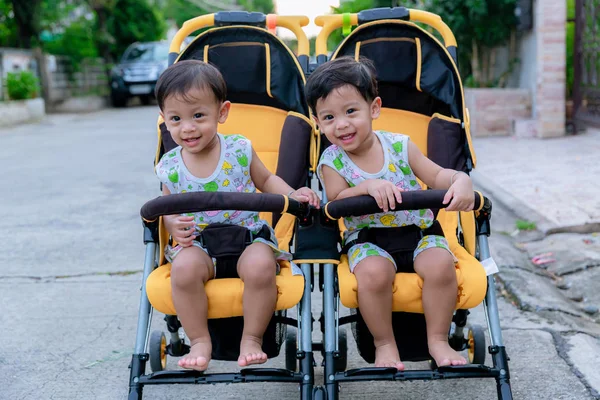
(493, 112)
(67, 83)
(21, 111)
(65, 87)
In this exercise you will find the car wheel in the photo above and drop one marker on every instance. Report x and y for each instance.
(118, 100)
(146, 99)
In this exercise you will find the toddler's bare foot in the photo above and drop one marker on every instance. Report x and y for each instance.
(198, 357)
(386, 355)
(251, 351)
(445, 355)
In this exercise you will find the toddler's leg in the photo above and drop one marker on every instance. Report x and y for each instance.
(436, 267)
(257, 268)
(375, 275)
(190, 270)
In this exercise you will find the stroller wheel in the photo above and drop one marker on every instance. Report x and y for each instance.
(291, 361)
(476, 345)
(158, 351)
(433, 365)
(341, 362)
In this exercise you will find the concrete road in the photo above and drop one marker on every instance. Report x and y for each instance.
(71, 262)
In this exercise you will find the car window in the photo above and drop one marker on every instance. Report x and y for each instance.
(149, 52)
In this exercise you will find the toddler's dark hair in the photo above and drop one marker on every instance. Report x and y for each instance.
(339, 72)
(183, 76)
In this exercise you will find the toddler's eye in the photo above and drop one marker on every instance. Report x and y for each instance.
(328, 117)
(198, 115)
(350, 111)
(175, 118)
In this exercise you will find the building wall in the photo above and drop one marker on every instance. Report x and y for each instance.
(541, 71)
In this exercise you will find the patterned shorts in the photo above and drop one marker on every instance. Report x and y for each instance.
(360, 251)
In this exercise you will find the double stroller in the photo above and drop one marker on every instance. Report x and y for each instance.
(423, 97)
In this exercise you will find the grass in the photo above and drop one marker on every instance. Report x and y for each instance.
(524, 225)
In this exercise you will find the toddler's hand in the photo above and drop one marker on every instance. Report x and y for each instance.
(181, 228)
(461, 194)
(385, 193)
(306, 195)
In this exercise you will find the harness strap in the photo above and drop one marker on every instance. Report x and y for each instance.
(397, 235)
(226, 243)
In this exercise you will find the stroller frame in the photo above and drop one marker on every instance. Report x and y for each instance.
(331, 295)
(332, 345)
(332, 323)
(138, 378)
(304, 352)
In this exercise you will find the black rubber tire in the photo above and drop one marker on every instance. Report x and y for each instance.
(476, 345)
(291, 361)
(157, 350)
(341, 362)
(433, 365)
(146, 99)
(118, 100)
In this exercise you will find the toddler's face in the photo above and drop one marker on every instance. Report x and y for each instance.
(346, 118)
(193, 124)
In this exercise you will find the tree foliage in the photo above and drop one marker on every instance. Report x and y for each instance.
(26, 16)
(134, 21)
(570, 68)
(480, 26)
(180, 11)
(8, 27)
(76, 41)
(355, 6)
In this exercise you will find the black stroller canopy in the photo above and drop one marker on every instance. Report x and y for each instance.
(269, 75)
(414, 71)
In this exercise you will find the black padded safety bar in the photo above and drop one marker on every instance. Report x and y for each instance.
(240, 18)
(377, 14)
(411, 200)
(210, 201)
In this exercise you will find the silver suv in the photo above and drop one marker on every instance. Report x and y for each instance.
(137, 72)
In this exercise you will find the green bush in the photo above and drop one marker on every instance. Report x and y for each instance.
(22, 85)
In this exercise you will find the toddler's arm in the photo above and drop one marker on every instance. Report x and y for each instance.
(458, 184)
(384, 192)
(267, 182)
(180, 227)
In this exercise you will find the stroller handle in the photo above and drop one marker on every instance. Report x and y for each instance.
(211, 201)
(293, 23)
(332, 22)
(188, 27)
(411, 200)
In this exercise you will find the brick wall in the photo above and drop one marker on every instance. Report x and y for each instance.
(550, 25)
(493, 111)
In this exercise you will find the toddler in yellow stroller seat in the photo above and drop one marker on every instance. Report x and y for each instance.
(192, 97)
(208, 225)
(343, 96)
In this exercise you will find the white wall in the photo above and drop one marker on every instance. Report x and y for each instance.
(526, 69)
